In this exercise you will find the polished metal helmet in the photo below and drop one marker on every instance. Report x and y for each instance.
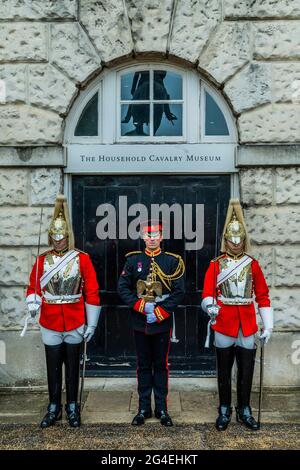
(60, 226)
(235, 231)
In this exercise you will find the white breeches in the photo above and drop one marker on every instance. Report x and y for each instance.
(53, 338)
(223, 341)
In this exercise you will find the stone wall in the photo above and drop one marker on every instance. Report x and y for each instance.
(249, 50)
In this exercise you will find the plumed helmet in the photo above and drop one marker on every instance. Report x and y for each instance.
(60, 226)
(235, 228)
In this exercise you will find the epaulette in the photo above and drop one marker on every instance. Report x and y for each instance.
(172, 254)
(250, 256)
(80, 251)
(133, 253)
(45, 252)
(218, 257)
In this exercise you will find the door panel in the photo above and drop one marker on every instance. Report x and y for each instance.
(111, 351)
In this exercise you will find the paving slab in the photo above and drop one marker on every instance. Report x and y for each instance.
(122, 384)
(115, 406)
(102, 401)
(174, 403)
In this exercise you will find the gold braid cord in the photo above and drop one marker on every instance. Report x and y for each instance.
(168, 278)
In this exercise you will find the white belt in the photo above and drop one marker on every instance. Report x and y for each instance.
(61, 299)
(235, 300)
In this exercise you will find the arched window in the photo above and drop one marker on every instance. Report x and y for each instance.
(150, 103)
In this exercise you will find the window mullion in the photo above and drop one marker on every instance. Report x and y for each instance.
(151, 102)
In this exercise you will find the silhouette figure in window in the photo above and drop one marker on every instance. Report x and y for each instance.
(140, 113)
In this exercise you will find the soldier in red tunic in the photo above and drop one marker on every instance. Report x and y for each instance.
(64, 289)
(232, 282)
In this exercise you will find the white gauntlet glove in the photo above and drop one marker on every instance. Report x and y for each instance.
(267, 317)
(151, 318)
(92, 315)
(266, 335)
(89, 333)
(149, 307)
(33, 308)
(213, 311)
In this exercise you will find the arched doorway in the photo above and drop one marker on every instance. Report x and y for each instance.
(139, 136)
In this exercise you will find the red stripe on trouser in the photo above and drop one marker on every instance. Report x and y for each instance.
(167, 367)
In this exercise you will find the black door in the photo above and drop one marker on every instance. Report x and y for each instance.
(111, 351)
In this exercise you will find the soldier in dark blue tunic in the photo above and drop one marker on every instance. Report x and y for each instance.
(152, 285)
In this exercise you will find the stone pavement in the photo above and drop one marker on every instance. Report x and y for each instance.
(115, 400)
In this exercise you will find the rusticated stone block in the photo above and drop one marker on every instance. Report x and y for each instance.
(264, 255)
(273, 225)
(108, 27)
(14, 76)
(45, 184)
(72, 52)
(150, 22)
(277, 40)
(12, 307)
(23, 42)
(286, 304)
(13, 187)
(14, 266)
(193, 24)
(227, 51)
(38, 9)
(20, 226)
(256, 186)
(271, 123)
(287, 267)
(287, 189)
(251, 87)
(31, 156)
(22, 124)
(50, 89)
(261, 9)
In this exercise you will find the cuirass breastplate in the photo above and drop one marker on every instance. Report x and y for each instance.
(65, 286)
(239, 285)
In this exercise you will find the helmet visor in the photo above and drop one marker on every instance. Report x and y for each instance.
(58, 236)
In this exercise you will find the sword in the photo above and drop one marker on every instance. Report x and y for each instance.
(28, 317)
(261, 379)
(83, 373)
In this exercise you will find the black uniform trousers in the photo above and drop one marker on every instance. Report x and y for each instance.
(152, 369)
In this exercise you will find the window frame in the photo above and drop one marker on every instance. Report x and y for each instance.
(231, 137)
(109, 126)
(151, 138)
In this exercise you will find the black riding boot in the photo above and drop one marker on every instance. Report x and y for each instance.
(72, 363)
(54, 361)
(245, 359)
(225, 359)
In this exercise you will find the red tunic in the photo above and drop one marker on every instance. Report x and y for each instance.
(233, 317)
(68, 316)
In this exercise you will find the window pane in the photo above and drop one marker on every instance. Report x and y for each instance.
(135, 119)
(88, 121)
(135, 86)
(215, 123)
(167, 119)
(167, 85)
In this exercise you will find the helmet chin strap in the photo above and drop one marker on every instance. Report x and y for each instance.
(236, 255)
(61, 250)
